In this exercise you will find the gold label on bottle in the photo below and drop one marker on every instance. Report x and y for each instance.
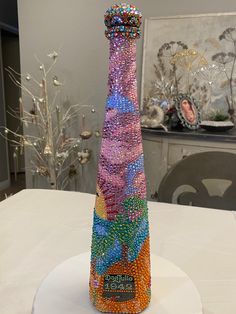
(119, 288)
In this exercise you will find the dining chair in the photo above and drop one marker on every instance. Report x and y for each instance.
(191, 181)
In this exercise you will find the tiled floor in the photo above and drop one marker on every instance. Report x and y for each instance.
(15, 187)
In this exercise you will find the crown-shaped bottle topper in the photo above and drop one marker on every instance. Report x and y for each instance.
(124, 19)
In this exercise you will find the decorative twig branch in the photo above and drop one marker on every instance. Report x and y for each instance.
(56, 154)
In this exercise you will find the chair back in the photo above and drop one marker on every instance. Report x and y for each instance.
(195, 171)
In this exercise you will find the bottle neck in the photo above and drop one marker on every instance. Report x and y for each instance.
(122, 68)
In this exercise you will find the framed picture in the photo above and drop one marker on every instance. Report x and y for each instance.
(193, 55)
(188, 111)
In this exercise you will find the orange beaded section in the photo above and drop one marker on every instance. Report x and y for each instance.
(140, 270)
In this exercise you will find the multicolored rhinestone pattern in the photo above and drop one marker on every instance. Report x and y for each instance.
(123, 20)
(120, 254)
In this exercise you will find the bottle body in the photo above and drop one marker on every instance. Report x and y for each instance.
(120, 253)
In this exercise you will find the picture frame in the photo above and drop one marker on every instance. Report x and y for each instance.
(188, 111)
(200, 35)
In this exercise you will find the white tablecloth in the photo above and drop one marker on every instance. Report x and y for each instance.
(39, 229)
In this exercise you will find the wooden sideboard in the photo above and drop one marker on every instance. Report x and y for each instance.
(164, 149)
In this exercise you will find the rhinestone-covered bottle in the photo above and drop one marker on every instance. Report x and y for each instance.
(120, 253)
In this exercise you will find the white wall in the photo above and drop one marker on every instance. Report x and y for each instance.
(77, 27)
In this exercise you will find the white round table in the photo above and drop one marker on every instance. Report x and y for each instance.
(65, 289)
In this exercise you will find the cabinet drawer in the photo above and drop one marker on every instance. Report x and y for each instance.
(177, 152)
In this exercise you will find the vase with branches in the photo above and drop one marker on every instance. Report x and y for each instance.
(228, 60)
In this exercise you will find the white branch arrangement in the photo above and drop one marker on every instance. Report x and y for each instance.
(55, 153)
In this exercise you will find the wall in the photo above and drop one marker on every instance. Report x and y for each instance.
(76, 27)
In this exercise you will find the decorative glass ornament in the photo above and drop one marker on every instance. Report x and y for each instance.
(85, 134)
(47, 150)
(120, 255)
(84, 156)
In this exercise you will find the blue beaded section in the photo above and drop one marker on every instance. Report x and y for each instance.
(119, 102)
(109, 236)
(132, 170)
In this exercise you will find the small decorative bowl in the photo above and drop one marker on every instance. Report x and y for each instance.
(216, 126)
